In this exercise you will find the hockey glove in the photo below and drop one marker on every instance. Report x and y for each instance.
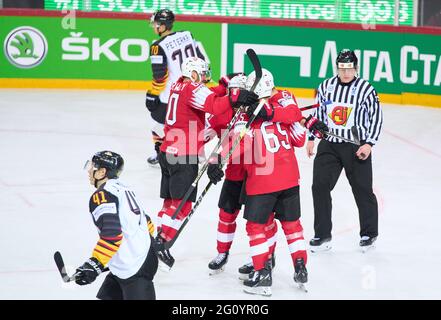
(214, 171)
(266, 113)
(158, 146)
(243, 97)
(225, 80)
(87, 273)
(316, 127)
(152, 102)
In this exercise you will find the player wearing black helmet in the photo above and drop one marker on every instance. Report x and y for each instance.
(125, 233)
(346, 101)
(166, 56)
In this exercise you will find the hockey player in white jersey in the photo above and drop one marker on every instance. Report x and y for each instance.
(166, 56)
(125, 232)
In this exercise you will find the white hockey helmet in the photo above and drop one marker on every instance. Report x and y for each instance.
(199, 66)
(264, 86)
(238, 81)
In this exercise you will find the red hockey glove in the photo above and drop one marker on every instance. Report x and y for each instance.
(316, 127)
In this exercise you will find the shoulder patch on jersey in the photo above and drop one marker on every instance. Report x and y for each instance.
(199, 96)
(156, 59)
(103, 209)
(286, 102)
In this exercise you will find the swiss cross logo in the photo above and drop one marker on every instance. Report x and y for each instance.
(340, 115)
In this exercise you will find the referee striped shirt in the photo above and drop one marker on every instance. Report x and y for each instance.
(345, 105)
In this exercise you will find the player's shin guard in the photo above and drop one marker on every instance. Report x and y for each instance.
(258, 244)
(296, 243)
(271, 234)
(171, 226)
(167, 203)
(225, 230)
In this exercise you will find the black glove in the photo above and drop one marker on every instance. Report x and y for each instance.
(214, 171)
(151, 101)
(225, 80)
(243, 97)
(316, 127)
(266, 113)
(87, 273)
(158, 146)
(158, 243)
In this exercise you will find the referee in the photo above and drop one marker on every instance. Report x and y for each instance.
(345, 101)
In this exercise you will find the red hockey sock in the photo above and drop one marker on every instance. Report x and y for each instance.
(294, 236)
(225, 230)
(258, 244)
(271, 234)
(167, 203)
(171, 226)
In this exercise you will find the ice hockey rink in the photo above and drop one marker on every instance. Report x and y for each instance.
(47, 135)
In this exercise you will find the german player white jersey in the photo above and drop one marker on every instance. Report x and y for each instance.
(122, 225)
(170, 52)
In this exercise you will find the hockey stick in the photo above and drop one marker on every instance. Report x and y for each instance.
(356, 142)
(244, 131)
(354, 132)
(62, 268)
(258, 69)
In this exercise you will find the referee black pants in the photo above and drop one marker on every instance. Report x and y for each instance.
(331, 158)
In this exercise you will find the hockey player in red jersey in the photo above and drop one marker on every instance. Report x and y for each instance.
(272, 183)
(188, 103)
(229, 205)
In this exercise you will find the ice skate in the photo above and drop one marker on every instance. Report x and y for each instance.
(300, 274)
(217, 265)
(153, 160)
(367, 243)
(247, 268)
(259, 282)
(320, 244)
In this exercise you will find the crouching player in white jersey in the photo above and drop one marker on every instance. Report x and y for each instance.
(125, 232)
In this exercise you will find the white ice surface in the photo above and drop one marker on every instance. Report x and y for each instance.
(46, 136)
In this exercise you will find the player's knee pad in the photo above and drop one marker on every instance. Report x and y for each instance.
(255, 229)
(292, 227)
(271, 229)
(228, 217)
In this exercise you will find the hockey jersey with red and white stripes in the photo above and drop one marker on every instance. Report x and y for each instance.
(185, 119)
